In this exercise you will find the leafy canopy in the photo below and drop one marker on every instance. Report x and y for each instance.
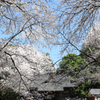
(71, 63)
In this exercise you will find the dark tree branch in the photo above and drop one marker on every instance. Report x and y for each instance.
(16, 68)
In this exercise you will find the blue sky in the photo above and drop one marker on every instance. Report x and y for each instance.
(54, 52)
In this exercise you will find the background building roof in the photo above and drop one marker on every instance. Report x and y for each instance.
(94, 91)
(52, 83)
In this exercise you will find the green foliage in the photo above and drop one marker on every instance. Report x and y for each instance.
(9, 94)
(11, 45)
(49, 59)
(83, 88)
(81, 91)
(47, 54)
(71, 62)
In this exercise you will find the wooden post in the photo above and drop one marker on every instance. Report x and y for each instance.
(92, 98)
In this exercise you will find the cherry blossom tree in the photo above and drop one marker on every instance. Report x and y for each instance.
(42, 23)
(90, 52)
(22, 65)
(76, 17)
(91, 45)
(27, 22)
(23, 23)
